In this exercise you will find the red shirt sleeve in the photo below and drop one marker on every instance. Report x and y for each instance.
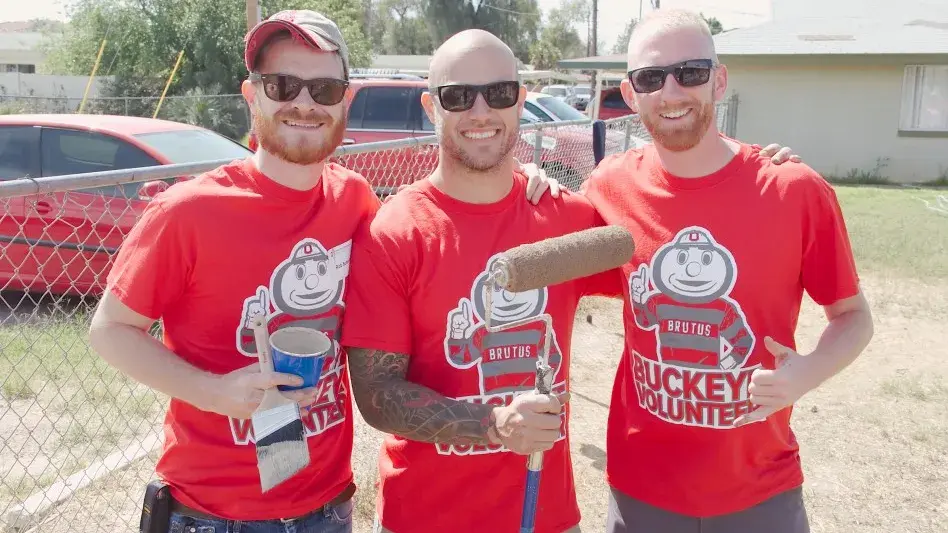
(828, 270)
(152, 268)
(377, 300)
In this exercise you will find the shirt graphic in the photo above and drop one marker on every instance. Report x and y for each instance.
(306, 290)
(506, 361)
(703, 338)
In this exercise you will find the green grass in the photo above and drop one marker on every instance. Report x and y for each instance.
(61, 406)
(893, 233)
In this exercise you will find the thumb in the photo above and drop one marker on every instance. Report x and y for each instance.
(548, 403)
(780, 352)
(274, 379)
(563, 398)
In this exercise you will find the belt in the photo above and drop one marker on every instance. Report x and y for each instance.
(344, 496)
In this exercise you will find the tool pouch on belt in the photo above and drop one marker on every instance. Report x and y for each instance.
(156, 510)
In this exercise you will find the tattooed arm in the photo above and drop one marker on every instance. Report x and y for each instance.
(391, 404)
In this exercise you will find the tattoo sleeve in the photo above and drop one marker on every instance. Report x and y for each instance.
(392, 404)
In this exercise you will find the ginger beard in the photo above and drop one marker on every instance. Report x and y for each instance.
(306, 148)
(482, 156)
(684, 133)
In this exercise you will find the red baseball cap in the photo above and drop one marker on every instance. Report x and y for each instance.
(307, 26)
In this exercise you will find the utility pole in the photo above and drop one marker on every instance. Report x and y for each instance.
(594, 45)
(253, 13)
(595, 27)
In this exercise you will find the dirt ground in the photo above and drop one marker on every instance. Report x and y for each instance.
(874, 439)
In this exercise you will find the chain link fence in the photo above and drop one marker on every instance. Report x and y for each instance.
(78, 440)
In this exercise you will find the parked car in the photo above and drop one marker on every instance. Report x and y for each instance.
(566, 93)
(612, 105)
(550, 108)
(63, 242)
(583, 97)
(384, 109)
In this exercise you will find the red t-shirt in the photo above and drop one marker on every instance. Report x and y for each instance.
(206, 255)
(417, 275)
(725, 259)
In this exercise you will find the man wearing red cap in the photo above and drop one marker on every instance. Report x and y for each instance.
(210, 254)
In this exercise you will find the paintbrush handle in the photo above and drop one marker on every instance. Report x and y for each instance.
(262, 339)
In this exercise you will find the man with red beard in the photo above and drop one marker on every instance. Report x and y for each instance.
(699, 434)
(253, 237)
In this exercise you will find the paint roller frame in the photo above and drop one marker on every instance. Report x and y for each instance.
(504, 273)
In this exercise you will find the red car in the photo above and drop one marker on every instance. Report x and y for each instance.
(612, 105)
(63, 243)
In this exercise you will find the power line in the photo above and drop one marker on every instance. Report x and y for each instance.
(482, 4)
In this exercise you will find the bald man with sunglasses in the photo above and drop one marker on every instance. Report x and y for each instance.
(456, 400)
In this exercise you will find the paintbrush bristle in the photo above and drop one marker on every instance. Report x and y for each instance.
(281, 444)
(280, 461)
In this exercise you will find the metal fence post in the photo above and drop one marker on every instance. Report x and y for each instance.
(732, 112)
(628, 134)
(537, 146)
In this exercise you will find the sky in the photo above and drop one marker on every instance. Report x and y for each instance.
(613, 14)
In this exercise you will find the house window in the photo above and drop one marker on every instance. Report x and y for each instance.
(925, 98)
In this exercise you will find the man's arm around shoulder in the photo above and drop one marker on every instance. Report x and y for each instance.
(390, 403)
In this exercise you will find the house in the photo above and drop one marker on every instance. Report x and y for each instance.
(20, 52)
(853, 86)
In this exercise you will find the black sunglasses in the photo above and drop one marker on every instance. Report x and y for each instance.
(284, 88)
(690, 73)
(498, 95)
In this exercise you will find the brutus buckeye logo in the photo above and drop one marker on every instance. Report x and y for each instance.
(684, 298)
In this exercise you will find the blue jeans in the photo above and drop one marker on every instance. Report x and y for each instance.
(334, 519)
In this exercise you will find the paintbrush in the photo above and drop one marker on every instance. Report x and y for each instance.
(277, 425)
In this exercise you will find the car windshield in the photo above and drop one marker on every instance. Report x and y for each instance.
(556, 91)
(561, 109)
(526, 117)
(192, 146)
(586, 91)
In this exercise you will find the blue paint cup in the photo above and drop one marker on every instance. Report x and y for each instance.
(300, 351)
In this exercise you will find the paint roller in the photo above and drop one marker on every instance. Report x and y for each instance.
(541, 264)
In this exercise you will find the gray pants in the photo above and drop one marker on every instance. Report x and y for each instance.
(784, 513)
